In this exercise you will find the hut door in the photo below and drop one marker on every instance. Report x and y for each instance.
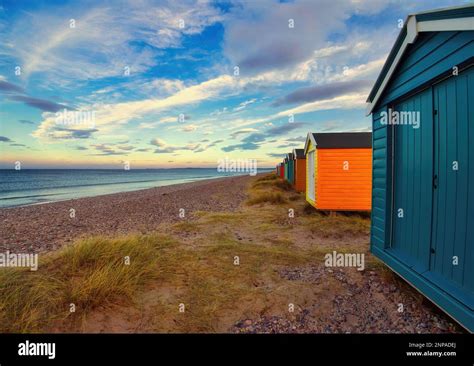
(311, 184)
(452, 254)
(412, 126)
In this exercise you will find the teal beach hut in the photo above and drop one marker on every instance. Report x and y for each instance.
(422, 108)
(291, 168)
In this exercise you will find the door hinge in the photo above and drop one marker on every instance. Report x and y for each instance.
(435, 112)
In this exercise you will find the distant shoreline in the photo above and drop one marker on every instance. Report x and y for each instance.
(43, 186)
(46, 227)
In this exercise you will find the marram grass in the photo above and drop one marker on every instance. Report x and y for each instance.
(89, 273)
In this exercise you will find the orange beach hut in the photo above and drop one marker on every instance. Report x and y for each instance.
(300, 169)
(339, 171)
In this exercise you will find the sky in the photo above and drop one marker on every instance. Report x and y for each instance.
(166, 84)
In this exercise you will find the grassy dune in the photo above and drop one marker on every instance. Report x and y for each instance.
(90, 273)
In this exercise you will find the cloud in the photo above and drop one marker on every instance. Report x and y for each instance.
(244, 104)
(105, 38)
(296, 139)
(25, 121)
(290, 144)
(125, 147)
(106, 150)
(7, 87)
(70, 133)
(276, 155)
(42, 104)
(243, 131)
(214, 143)
(254, 140)
(284, 128)
(258, 36)
(208, 146)
(218, 112)
(163, 147)
(108, 116)
(322, 92)
(189, 128)
(348, 101)
(242, 146)
(4, 139)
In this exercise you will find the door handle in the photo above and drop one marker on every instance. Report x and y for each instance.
(435, 181)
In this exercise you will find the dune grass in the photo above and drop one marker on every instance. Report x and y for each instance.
(272, 181)
(90, 273)
(270, 189)
(336, 226)
(270, 197)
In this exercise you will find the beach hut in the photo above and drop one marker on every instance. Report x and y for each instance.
(339, 171)
(282, 170)
(285, 163)
(299, 163)
(291, 168)
(422, 108)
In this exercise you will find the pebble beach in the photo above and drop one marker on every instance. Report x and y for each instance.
(46, 227)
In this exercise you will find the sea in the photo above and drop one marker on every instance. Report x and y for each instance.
(37, 186)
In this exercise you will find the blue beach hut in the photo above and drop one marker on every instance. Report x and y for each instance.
(422, 108)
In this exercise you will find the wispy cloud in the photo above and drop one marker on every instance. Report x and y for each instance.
(7, 87)
(42, 104)
(322, 92)
(244, 104)
(46, 42)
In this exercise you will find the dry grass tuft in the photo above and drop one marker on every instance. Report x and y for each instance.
(264, 197)
(90, 273)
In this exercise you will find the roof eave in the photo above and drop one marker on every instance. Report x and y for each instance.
(309, 138)
(413, 28)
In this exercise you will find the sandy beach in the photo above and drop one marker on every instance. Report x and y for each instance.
(46, 227)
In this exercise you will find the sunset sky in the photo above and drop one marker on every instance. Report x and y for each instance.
(140, 65)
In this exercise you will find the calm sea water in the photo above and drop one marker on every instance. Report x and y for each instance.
(33, 186)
